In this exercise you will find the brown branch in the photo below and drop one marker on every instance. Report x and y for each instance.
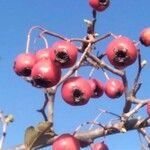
(145, 135)
(78, 40)
(136, 84)
(99, 132)
(50, 105)
(102, 37)
(42, 110)
(102, 64)
(89, 136)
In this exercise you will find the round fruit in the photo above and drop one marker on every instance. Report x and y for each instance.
(114, 88)
(148, 107)
(66, 142)
(100, 146)
(99, 5)
(97, 88)
(45, 73)
(76, 91)
(23, 64)
(43, 54)
(145, 37)
(121, 52)
(64, 53)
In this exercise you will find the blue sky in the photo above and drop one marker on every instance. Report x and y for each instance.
(65, 17)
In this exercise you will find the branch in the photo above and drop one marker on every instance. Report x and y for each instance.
(141, 64)
(42, 110)
(5, 121)
(93, 60)
(50, 104)
(145, 135)
(91, 135)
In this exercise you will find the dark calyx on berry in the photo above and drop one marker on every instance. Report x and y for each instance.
(40, 82)
(118, 94)
(103, 2)
(96, 90)
(62, 57)
(26, 72)
(78, 96)
(121, 56)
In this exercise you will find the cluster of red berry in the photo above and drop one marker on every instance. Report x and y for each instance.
(44, 69)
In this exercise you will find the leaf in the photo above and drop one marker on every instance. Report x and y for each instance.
(30, 135)
(38, 135)
(43, 126)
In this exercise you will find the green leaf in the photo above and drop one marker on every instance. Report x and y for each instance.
(35, 136)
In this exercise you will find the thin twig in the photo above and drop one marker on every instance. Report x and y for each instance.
(76, 66)
(141, 65)
(95, 120)
(4, 130)
(44, 38)
(42, 110)
(145, 135)
(102, 37)
(44, 31)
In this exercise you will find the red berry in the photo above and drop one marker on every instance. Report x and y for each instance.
(64, 53)
(66, 142)
(121, 52)
(76, 91)
(43, 54)
(100, 146)
(114, 88)
(97, 88)
(148, 107)
(45, 73)
(23, 64)
(145, 37)
(99, 5)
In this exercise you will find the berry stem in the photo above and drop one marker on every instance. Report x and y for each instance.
(76, 73)
(29, 36)
(105, 73)
(44, 31)
(95, 120)
(44, 39)
(91, 72)
(102, 37)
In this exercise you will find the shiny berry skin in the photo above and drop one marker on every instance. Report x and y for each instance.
(23, 64)
(99, 5)
(97, 88)
(64, 53)
(76, 91)
(43, 54)
(66, 142)
(45, 74)
(121, 52)
(148, 107)
(100, 146)
(145, 37)
(114, 88)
